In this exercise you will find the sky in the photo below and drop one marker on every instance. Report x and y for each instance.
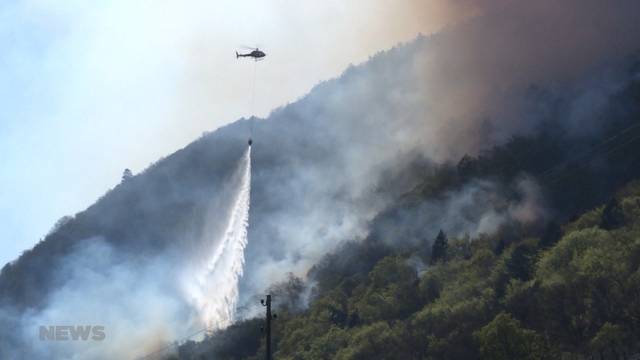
(89, 88)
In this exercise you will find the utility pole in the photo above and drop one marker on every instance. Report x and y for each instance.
(270, 316)
(267, 304)
(268, 327)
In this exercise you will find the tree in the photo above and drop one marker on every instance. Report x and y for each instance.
(520, 262)
(439, 248)
(126, 175)
(290, 293)
(505, 338)
(502, 244)
(430, 287)
(389, 292)
(380, 340)
(612, 215)
(60, 223)
(608, 338)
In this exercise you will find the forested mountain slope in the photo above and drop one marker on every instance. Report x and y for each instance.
(486, 130)
(564, 289)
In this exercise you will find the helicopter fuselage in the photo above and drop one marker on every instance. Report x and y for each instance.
(257, 54)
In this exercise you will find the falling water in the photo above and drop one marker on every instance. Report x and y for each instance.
(216, 289)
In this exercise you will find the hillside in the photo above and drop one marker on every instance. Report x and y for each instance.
(161, 221)
(562, 290)
(553, 276)
(554, 279)
(165, 208)
(487, 133)
(480, 300)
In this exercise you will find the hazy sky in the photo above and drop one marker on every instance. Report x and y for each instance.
(88, 88)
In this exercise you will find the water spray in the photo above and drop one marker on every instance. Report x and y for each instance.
(215, 291)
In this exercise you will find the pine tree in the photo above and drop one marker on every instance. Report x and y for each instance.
(439, 248)
(126, 175)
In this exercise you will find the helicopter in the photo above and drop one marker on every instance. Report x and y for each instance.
(256, 54)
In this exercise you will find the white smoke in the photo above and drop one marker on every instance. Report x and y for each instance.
(142, 313)
(139, 311)
(214, 288)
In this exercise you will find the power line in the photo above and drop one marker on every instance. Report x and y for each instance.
(553, 174)
(589, 153)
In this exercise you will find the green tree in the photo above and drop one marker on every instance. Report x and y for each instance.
(521, 262)
(505, 338)
(378, 341)
(609, 338)
(390, 292)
